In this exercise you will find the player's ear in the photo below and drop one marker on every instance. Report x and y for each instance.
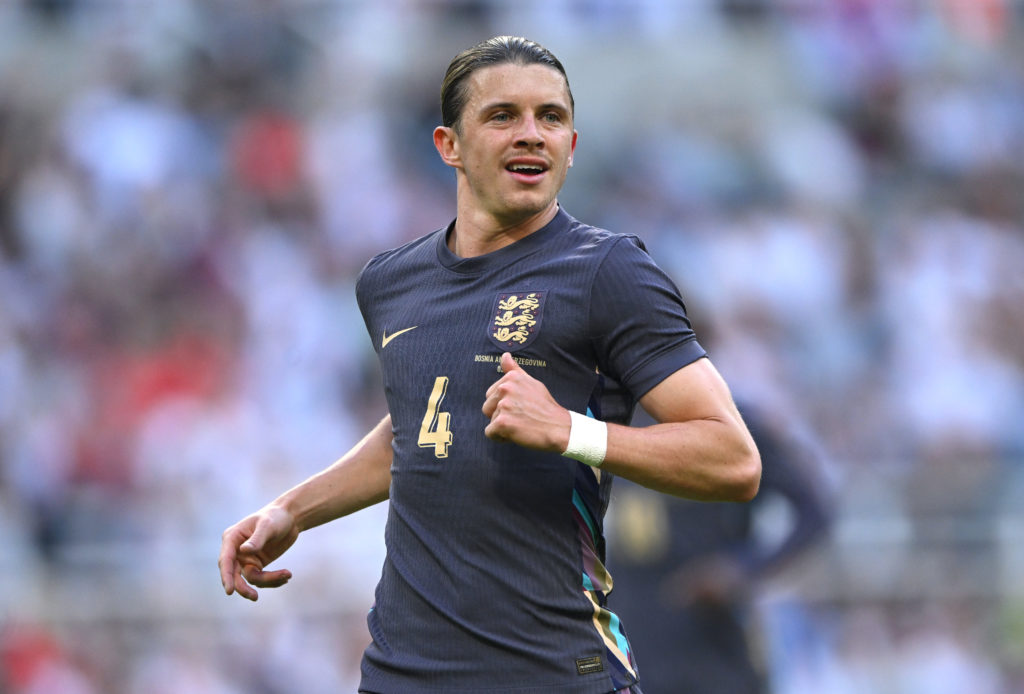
(572, 150)
(447, 143)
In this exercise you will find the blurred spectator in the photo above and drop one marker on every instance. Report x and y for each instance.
(32, 661)
(687, 572)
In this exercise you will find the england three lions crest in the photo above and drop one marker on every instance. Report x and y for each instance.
(516, 319)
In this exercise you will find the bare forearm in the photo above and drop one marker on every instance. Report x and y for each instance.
(707, 459)
(700, 449)
(360, 478)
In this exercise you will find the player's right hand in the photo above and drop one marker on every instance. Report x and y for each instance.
(522, 411)
(249, 545)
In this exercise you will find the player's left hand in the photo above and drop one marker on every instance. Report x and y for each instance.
(522, 411)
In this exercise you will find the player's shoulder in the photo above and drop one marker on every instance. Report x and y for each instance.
(417, 250)
(601, 241)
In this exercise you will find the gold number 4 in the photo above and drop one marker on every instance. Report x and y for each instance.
(436, 427)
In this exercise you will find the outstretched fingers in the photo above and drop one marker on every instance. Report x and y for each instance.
(256, 576)
(242, 559)
(230, 569)
(238, 585)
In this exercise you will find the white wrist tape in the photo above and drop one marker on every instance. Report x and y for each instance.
(588, 439)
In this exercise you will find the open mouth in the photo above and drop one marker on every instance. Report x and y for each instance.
(527, 170)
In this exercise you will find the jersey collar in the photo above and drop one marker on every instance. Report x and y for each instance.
(502, 256)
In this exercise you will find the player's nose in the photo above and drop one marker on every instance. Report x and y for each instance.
(529, 134)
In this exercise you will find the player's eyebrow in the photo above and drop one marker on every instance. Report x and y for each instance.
(512, 106)
(498, 106)
(554, 106)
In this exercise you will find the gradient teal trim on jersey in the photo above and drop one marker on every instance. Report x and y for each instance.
(597, 582)
(616, 629)
(587, 583)
(578, 503)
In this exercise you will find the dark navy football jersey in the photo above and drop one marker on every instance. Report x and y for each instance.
(494, 579)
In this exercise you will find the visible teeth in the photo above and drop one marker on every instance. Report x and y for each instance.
(524, 168)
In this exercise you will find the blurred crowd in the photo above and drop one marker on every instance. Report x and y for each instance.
(188, 190)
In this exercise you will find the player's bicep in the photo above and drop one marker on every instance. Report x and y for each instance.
(696, 391)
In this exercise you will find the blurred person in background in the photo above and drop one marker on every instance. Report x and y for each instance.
(494, 578)
(686, 572)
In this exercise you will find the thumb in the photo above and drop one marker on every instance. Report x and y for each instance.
(508, 364)
(255, 542)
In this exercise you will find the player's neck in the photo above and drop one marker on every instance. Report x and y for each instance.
(480, 233)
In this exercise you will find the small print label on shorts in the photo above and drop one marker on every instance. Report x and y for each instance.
(586, 666)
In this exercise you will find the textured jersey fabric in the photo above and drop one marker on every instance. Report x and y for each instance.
(494, 579)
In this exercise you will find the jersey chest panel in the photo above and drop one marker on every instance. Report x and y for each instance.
(449, 353)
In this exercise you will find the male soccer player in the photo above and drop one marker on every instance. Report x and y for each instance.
(514, 344)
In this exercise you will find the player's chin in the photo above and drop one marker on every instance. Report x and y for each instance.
(529, 203)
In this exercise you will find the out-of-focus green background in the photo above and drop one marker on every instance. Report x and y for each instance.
(188, 189)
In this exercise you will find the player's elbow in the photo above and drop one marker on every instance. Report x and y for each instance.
(744, 478)
(748, 475)
(736, 476)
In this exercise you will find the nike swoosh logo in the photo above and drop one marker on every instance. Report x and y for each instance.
(385, 339)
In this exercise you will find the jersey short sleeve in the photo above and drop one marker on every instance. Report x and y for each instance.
(641, 331)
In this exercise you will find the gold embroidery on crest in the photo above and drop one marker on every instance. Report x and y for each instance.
(516, 317)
